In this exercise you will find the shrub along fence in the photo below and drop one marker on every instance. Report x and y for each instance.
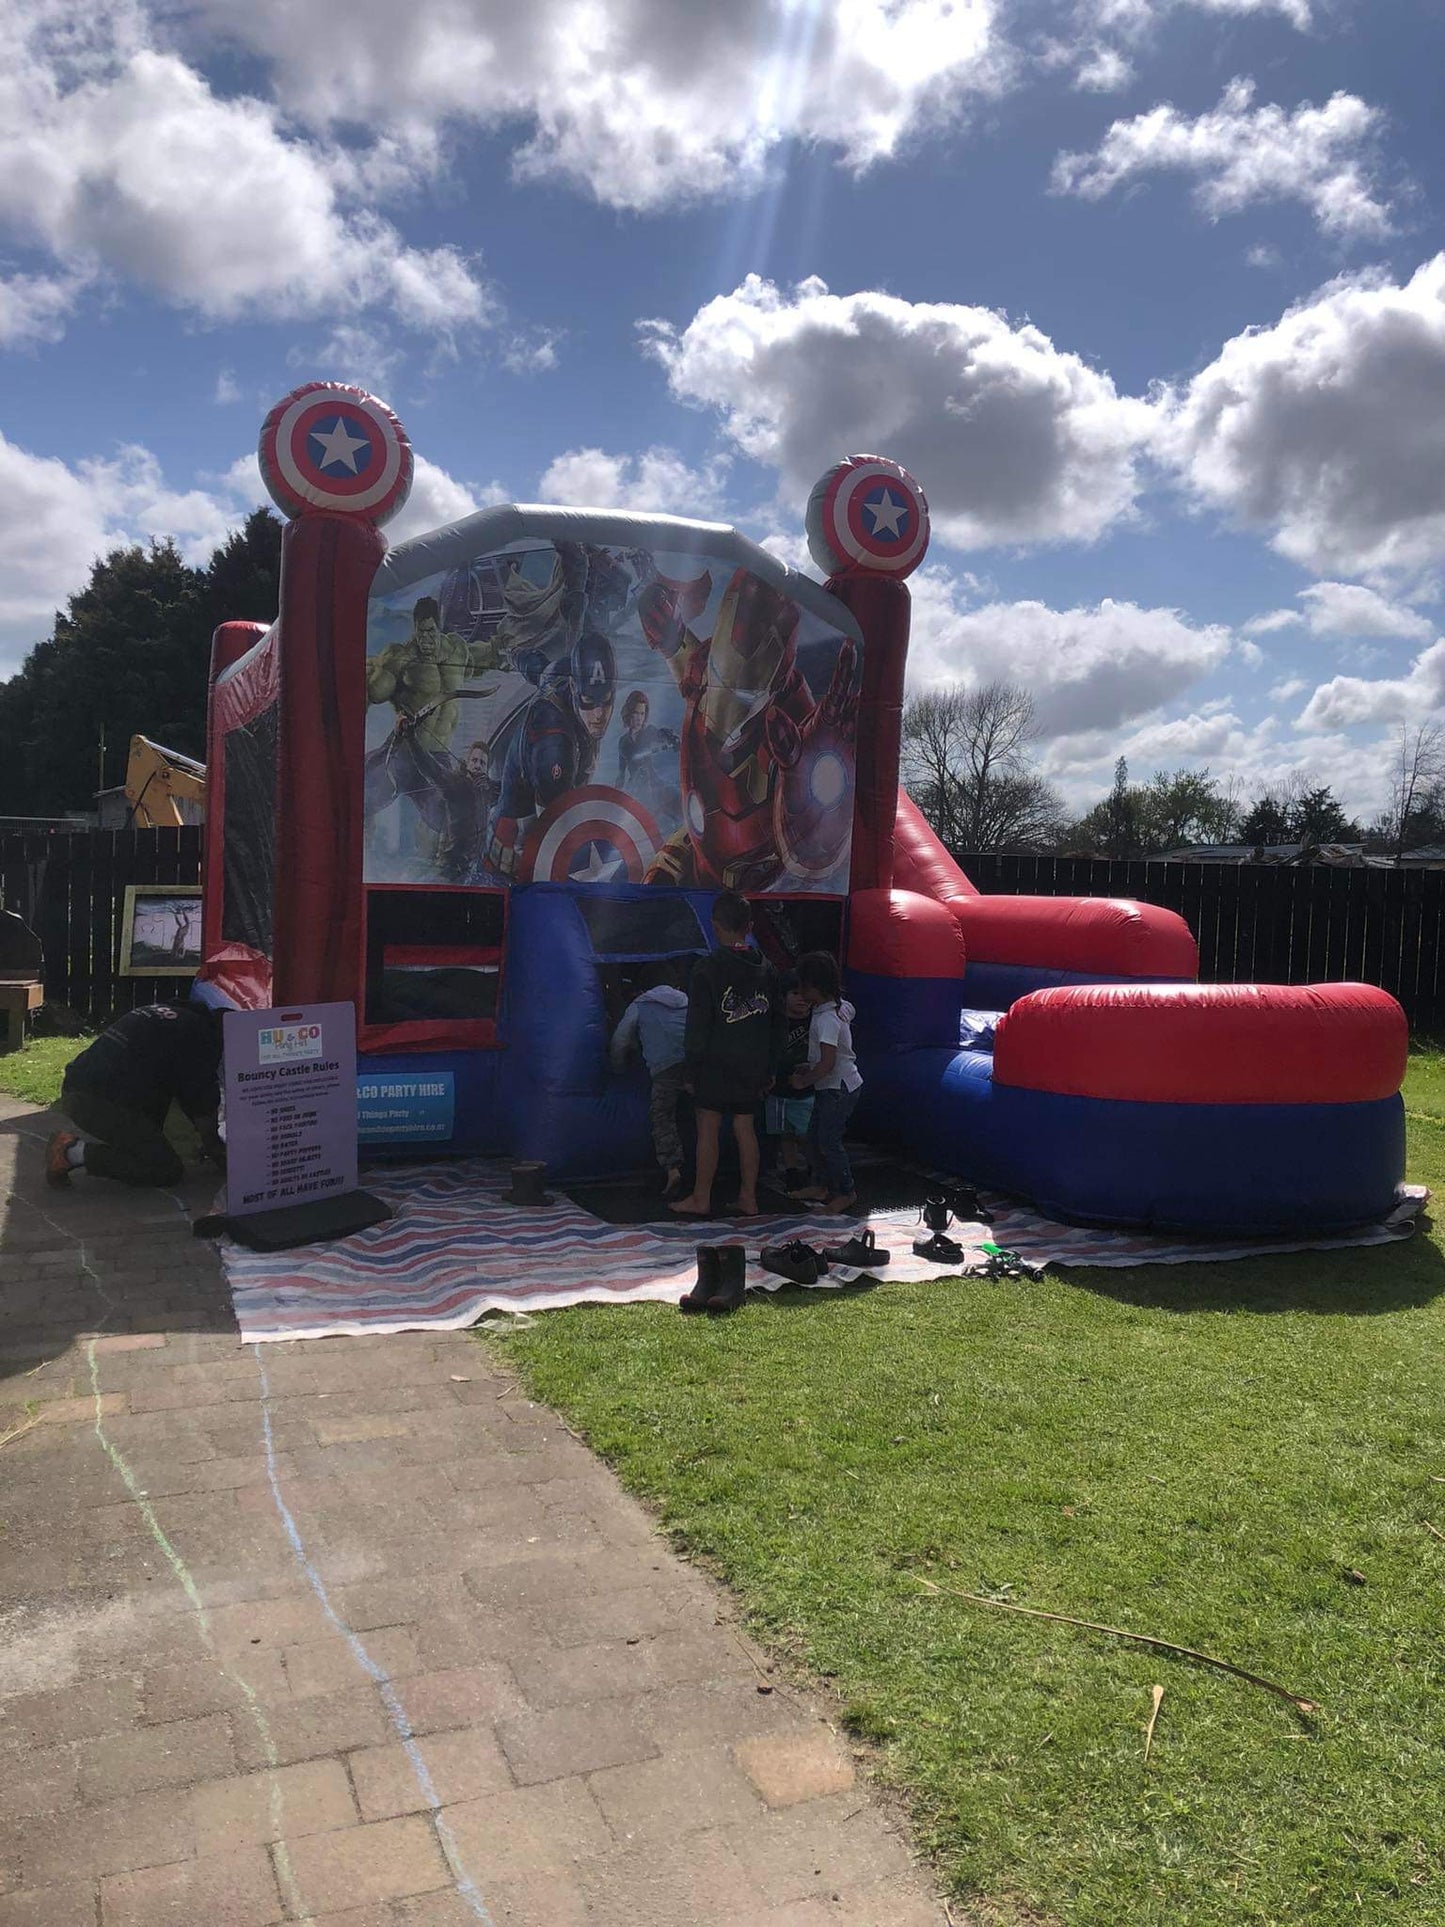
(1268, 923)
(70, 888)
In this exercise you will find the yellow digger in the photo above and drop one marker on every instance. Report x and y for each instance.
(163, 789)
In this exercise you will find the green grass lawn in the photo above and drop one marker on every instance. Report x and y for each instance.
(35, 1074)
(1235, 1457)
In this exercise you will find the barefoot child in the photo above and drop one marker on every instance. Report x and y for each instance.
(734, 1040)
(832, 1075)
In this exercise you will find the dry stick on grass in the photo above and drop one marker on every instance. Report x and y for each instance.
(1117, 1632)
(1153, 1722)
(1433, 1530)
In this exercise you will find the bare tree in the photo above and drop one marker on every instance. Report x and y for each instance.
(1419, 771)
(965, 754)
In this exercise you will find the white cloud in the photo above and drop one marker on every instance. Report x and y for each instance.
(438, 498)
(1321, 430)
(1103, 70)
(56, 520)
(354, 352)
(531, 352)
(1088, 669)
(1013, 439)
(1238, 154)
(126, 160)
(1135, 17)
(1338, 610)
(658, 481)
(35, 307)
(228, 389)
(1352, 609)
(1103, 39)
(1250, 654)
(1346, 700)
(643, 104)
(1285, 691)
(1274, 621)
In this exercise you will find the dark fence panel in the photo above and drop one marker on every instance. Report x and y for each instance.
(1256, 923)
(70, 889)
(1266, 923)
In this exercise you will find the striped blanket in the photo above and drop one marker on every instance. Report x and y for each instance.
(456, 1250)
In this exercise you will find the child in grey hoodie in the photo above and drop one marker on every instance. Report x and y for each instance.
(656, 1021)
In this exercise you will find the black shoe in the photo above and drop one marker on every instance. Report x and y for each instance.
(939, 1249)
(732, 1278)
(795, 1261)
(861, 1253)
(709, 1277)
(965, 1206)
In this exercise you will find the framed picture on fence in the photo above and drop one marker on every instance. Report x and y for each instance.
(160, 932)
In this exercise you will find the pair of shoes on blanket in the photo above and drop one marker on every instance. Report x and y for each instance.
(805, 1264)
(802, 1263)
(722, 1272)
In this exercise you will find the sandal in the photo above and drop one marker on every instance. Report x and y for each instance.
(861, 1252)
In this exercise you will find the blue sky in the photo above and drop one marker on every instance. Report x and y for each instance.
(1147, 293)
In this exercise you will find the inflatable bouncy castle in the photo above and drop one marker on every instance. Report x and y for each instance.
(486, 784)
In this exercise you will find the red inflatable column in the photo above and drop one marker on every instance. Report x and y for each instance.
(868, 528)
(337, 461)
(882, 606)
(327, 565)
(228, 644)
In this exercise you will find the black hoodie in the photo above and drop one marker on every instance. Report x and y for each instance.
(734, 1022)
(151, 1055)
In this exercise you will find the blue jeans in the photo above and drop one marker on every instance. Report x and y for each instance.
(827, 1154)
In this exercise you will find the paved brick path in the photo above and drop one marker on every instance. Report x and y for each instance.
(351, 1632)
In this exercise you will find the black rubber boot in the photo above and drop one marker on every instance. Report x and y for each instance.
(732, 1264)
(709, 1280)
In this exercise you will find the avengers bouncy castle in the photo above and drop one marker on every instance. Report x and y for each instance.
(486, 784)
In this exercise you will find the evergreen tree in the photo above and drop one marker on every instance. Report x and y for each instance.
(1266, 822)
(130, 653)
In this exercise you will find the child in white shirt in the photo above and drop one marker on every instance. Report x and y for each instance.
(832, 1074)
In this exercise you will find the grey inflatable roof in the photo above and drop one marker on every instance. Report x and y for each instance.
(496, 528)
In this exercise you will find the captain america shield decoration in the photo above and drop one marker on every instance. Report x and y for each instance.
(331, 446)
(868, 513)
(592, 835)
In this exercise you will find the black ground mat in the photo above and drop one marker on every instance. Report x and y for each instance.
(884, 1184)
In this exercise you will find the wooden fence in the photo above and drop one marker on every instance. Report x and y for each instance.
(71, 888)
(1266, 923)
(1256, 923)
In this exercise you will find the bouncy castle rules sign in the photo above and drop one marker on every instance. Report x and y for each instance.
(290, 1106)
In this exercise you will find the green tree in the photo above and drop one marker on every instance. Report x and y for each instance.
(1319, 818)
(1294, 811)
(1174, 809)
(129, 653)
(1267, 821)
(1122, 835)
